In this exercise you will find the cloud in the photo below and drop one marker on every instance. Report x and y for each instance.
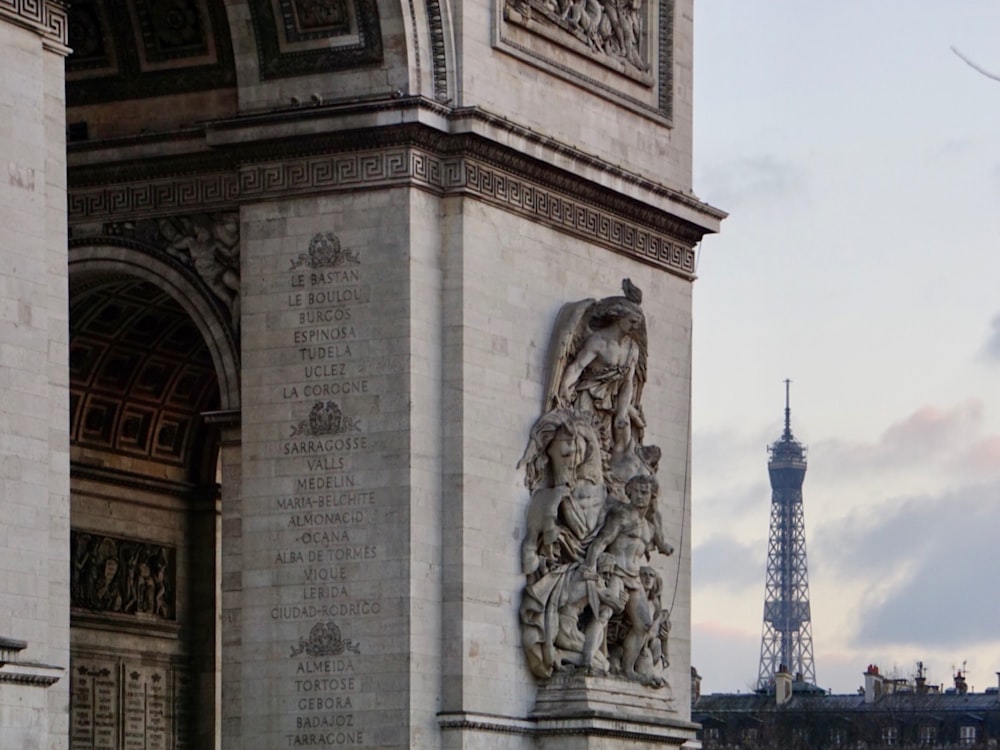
(930, 564)
(981, 457)
(929, 435)
(733, 501)
(900, 539)
(718, 650)
(726, 562)
(991, 349)
(752, 179)
(725, 493)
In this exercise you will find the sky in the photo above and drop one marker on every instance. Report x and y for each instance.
(859, 160)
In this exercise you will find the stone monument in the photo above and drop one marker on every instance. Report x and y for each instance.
(595, 625)
(277, 324)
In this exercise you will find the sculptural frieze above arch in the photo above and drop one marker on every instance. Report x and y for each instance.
(207, 244)
(613, 31)
(591, 601)
(620, 50)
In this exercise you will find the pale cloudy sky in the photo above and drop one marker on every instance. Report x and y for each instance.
(859, 159)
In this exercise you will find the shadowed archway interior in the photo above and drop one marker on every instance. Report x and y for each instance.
(140, 377)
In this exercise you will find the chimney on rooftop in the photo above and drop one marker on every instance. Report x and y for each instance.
(921, 679)
(961, 687)
(873, 684)
(782, 685)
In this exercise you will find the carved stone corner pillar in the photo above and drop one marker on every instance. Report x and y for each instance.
(590, 711)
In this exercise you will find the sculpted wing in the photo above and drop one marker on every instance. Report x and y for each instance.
(568, 334)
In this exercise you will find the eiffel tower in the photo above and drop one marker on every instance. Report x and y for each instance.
(786, 642)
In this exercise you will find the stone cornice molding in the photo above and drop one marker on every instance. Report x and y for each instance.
(108, 476)
(13, 670)
(26, 673)
(48, 18)
(668, 734)
(293, 131)
(277, 155)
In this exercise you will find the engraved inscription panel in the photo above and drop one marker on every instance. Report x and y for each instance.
(330, 610)
(94, 705)
(127, 703)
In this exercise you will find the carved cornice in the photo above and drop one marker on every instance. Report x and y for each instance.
(672, 735)
(36, 675)
(47, 17)
(409, 154)
(107, 476)
(237, 150)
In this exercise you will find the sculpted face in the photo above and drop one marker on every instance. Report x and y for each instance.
(647, 577)
(640, 495)
(563, 452)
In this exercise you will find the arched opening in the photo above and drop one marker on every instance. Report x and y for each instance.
(144, 517)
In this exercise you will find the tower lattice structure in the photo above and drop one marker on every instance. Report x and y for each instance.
(786, 642)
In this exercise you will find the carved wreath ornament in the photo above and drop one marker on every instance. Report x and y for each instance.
(325, 252)
(326, 419)
(325, 639)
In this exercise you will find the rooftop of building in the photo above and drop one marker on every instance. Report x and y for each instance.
(879, 693)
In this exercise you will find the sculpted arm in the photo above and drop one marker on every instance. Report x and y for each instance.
(575, 369)
(658, 541)
(609, 532)
(625, 395)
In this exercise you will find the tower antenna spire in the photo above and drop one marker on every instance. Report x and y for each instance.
(788, 411)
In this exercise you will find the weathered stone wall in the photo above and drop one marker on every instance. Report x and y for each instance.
(377, 568)
(34, 461)
(338, 472)
(407, 238)
(504, 288)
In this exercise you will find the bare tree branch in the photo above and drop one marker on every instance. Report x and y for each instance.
(978, 69)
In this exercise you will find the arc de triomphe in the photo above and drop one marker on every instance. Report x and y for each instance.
(286, 289)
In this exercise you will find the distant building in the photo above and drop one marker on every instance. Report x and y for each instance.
(786, 638)
(884, 713)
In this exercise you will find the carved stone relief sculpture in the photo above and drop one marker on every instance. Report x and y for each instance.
(121, 576)
(590, 602)
(613, 29)
(207, 243)
(211, 244)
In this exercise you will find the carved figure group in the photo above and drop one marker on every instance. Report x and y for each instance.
(592, 520)
(613, 28)
(110, 575)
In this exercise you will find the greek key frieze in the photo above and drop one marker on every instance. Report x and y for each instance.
(564, 203)
(49, 16)
(191, 193)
